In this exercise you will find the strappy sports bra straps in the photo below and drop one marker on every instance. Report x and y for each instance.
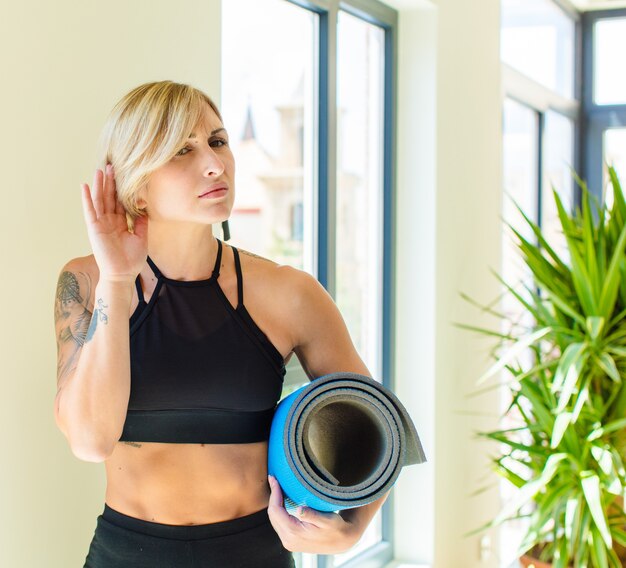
(202, 371)
(216, 270)
(239, 277)
(139, 291)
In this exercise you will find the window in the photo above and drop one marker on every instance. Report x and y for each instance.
(307, 100)
(521, 180)
(604, 98)
(360, 122)
(558, 163)
(537, 39)
(609, 85)
(269, 98)
(540, 121)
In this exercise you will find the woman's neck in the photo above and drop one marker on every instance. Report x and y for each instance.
(182, 251)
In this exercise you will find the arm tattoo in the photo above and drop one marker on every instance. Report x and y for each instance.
(255, 255)
(98, 314)
(72, 318)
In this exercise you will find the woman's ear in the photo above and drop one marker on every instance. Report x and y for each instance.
(140, 201)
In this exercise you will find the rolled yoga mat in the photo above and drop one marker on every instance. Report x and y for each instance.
(340, 442)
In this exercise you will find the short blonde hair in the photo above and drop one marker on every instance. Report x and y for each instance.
(144, 130)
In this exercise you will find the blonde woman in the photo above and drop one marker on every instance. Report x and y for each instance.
(172, 348)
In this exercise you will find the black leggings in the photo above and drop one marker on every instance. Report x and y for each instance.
(120, 541)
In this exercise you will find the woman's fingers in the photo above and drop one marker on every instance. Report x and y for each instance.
(279, 517)
(141, 226)
(96, 193)
(317, 518)
(109, 189)
(275, 506)
(88, 210)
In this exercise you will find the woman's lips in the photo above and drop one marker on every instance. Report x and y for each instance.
(215, 193)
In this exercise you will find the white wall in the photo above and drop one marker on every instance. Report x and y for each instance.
(449, 198)
(414, 496)
(63, 65)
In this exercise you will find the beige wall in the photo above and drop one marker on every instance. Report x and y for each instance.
(469, 147)
(449, 198)
(63, 65)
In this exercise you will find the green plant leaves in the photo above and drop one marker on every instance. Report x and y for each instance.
(594, 325)
(531, 488)
(513, 353)
(612, 278)
(564, 446)
(607, 429)
(560, 424)
(570, 363)
(591, 489)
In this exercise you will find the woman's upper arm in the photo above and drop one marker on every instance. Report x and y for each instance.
(321, 338)
(73, 308)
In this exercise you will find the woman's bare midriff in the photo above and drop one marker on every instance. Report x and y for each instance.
(187, 484)
(193, 484)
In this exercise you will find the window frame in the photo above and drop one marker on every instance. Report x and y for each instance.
(385, 17)
(540, 99)
(596, 118)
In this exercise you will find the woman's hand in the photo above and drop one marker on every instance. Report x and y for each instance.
(119, 253)
(311, 531)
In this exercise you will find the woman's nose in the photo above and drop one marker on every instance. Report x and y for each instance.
(213, 164)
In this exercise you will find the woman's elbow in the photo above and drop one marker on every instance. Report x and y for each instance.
(84, 448)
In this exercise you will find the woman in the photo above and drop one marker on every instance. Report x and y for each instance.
(165, 373)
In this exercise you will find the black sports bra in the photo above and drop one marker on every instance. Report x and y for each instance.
(201, 370)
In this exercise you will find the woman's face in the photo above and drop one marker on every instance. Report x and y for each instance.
(198, 184)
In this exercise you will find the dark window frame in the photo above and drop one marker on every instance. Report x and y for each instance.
(578, 147)
(379, 14)
(596, 118)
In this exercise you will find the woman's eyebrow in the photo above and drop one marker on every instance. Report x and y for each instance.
(213, 133)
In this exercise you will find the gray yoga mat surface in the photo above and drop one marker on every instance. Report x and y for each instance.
(340, 442)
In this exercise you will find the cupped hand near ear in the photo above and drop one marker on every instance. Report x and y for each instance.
(119, 253)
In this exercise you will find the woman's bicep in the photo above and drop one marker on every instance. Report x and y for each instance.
(323, 342)
(73, 306)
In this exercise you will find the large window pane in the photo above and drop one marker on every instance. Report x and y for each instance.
(614, 149)
(609, 84)
(360, 199)
(360, 184)
(520, 156)
(558, 164)
(521, 187)
(538, 40)
(269, 109)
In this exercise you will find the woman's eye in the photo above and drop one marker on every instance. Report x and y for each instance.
(179, 153)
(218, 142)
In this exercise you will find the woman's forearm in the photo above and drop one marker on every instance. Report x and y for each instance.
(93, 402)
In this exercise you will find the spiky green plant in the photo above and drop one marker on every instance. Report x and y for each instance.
(566, 457)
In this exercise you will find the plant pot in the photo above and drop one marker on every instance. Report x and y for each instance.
(530, 562)
(527, 561)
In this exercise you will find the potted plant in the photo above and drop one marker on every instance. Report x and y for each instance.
(564, 445)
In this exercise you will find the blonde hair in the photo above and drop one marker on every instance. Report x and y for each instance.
(144, 130)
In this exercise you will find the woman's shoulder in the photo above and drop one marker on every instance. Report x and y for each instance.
(78, 278)
(85, 263)
(283, 282)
